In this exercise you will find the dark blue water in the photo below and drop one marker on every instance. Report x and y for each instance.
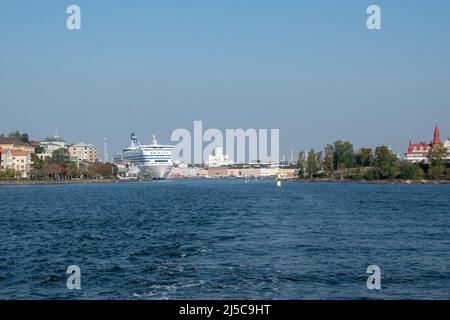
(225, 239)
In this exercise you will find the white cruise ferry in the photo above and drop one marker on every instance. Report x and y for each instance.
(153, 160)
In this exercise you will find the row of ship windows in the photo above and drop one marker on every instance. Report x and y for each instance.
(156, 161)
(149, 157)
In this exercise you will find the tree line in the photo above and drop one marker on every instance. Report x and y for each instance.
(17, 135)
(59, 165)
(340, 161)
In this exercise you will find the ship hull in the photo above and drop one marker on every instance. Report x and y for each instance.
(157, 172)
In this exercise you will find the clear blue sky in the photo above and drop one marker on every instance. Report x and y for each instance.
(309, 68)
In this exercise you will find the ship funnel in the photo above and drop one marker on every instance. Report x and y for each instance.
(134, 140)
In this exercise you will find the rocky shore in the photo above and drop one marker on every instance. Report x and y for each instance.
(396, 181)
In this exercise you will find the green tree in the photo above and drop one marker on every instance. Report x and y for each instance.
(311, 164)
(9, 174)
(370, 174)
(102, 170)
(358, 175)
(384, 157)
(447, 173)
(39, 149)
(37, 162)
(344, 155)
(319, 161)
(364, 157)
(436, 172)
(61, 156)
(437, 155)
(411, 171)
(72, 170)
(328, 162)
(19, 136)
(301, 165)
(385, 163)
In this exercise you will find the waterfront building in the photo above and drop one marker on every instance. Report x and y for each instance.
(219, 159)
(16, 160)
(13, 144)
(418, 152)
(447, 145)
(187, 172)
(83, 152)
(251, 172)
(51, 144)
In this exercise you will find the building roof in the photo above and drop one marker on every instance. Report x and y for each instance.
(5, 140)
(418, 147)
(20, 153)
(437, 135)
(54, 139)
(83, 145)
(51, 144)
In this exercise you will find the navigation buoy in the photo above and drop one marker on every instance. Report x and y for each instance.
(278, 181)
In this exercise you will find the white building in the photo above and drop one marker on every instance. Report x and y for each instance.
(447, 146)
(218, 159)
(50, 145)
(16, 160)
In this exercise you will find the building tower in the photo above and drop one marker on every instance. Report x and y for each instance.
(437, 135)
(105, 150)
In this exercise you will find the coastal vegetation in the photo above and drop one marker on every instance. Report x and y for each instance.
(340, 161)
(23, 137)
(337, 161)
(58, 165)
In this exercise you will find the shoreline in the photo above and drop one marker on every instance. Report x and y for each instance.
(55, 182)
(390, 182)
(104, 181)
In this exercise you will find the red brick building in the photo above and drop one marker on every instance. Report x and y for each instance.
(418, 152)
